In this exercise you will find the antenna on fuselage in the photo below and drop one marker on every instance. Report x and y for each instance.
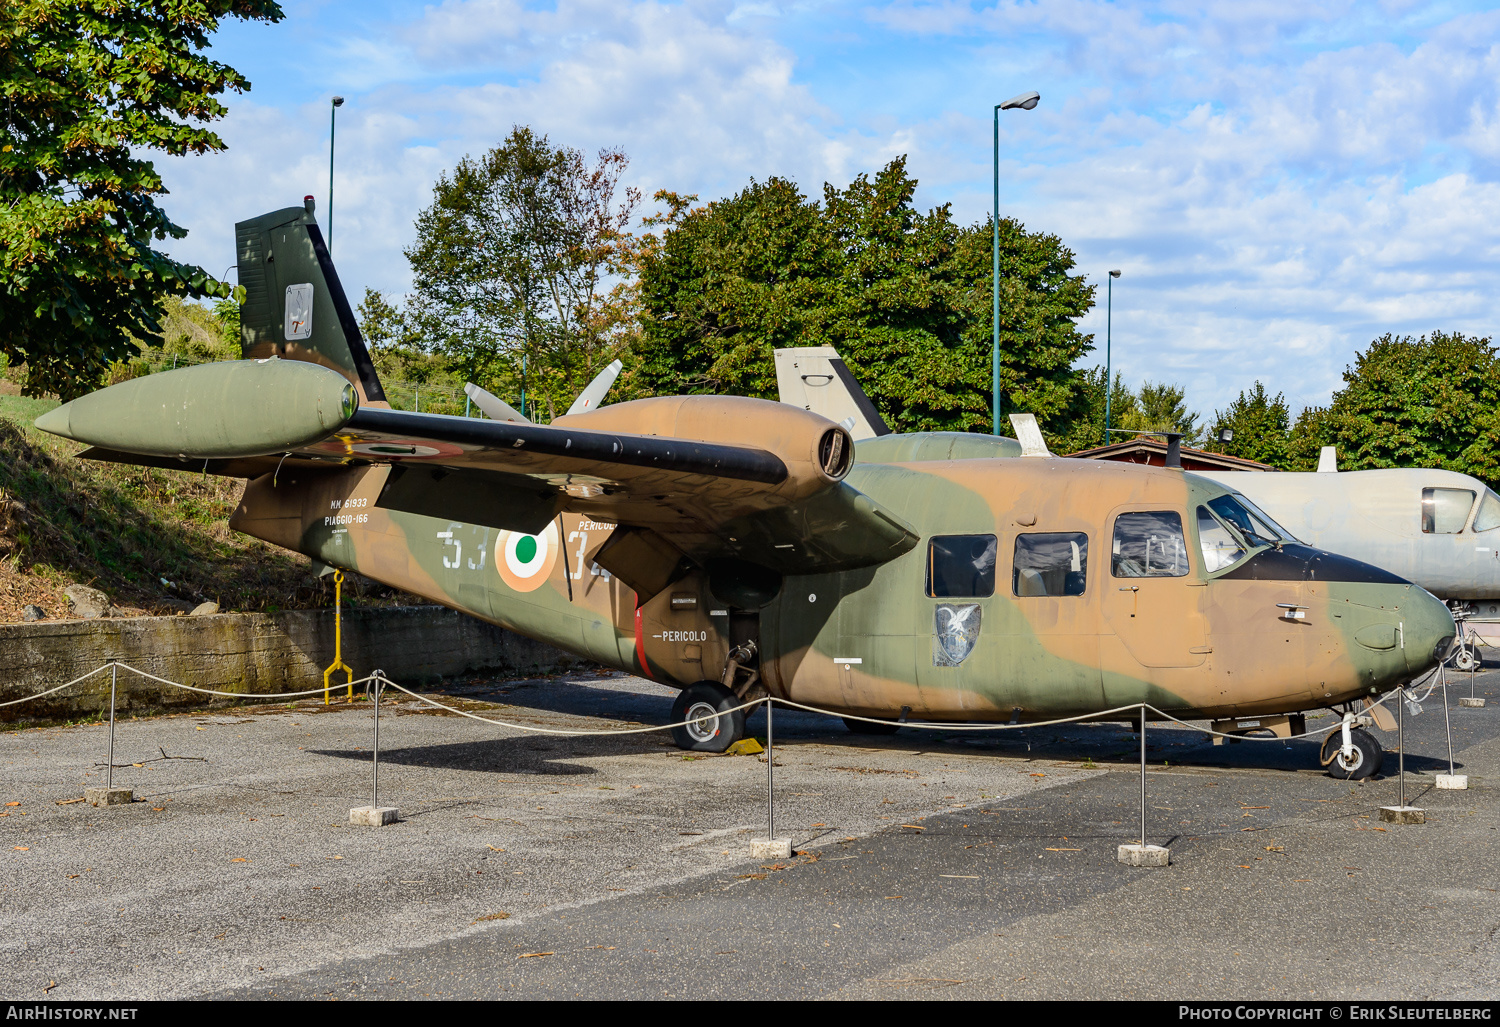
(1174, 443)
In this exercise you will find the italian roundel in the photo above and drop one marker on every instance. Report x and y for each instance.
(526, 561)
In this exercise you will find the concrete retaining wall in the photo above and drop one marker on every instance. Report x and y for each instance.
(249, 653)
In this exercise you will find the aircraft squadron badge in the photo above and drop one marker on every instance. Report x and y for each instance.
(955, 629)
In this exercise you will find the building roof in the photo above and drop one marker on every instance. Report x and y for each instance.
(1146, 450)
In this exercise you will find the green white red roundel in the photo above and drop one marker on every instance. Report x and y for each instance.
(526, 561)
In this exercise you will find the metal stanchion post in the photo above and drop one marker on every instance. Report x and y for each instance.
(1143, 855)
(374, 815)
(1143, 775)
(1451, 780)
(109, 795)
(114, 678)
(1401, 813)
(770, 847)
(770, 774)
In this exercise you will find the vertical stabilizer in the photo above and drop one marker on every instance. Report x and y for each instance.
(814, 378)
(295, 307)
(1328, 459)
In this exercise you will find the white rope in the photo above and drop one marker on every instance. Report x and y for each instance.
(379, 676)
(565, 731)
(242, 695)
(59, 688)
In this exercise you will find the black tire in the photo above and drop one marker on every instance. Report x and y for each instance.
(1368, 755)
(864, 727)
(707, 699)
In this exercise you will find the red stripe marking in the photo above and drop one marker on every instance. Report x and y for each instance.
(640, 646)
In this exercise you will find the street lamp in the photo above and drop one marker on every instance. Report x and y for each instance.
(338, 101)
(1025, 102)
(1109, 304)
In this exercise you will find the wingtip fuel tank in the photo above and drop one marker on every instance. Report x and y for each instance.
(237, 408)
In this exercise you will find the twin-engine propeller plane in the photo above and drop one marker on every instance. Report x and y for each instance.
(734, 547)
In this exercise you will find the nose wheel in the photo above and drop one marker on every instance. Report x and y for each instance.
(1364, 759)
(1466, 658)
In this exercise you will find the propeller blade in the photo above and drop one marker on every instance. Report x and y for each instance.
(493, 406)
(593, 395)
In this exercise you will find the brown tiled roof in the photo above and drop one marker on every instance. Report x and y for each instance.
(1145, 450)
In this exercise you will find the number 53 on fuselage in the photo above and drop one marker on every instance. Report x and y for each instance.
(728, 545)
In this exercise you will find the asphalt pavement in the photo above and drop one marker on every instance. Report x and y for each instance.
(929, 864)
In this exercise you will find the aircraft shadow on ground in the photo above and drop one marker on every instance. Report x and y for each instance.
(1107, 743)
(492, 756)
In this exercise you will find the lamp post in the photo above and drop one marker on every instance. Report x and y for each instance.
(1025, 102)
(338, 101)
(1109, 309)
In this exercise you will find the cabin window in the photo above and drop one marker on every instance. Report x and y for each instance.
(961, 566)
(1221, 547)
(1489, 512)
(1445, 511)
(1052, 564)
(1148, 545)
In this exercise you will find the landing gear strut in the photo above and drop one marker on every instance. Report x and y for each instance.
(1363, 761)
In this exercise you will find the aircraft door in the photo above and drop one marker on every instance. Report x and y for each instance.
(1152, 602)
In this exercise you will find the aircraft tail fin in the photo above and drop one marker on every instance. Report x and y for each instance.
(814, 378)
(1328, 459)
(295, 307)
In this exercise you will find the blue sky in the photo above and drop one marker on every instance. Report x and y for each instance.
(1279, 182)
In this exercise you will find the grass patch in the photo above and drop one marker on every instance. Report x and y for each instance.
(124, 529)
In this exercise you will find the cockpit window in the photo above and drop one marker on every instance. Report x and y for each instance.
(1445, 511)
(1148, 545)
(1489, 512)
(1256, 527)
(1221, 547)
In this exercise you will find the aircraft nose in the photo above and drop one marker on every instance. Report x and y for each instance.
(1428, 629)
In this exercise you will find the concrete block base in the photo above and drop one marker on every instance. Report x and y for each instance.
(1476, 703)
(1403, 815)
(1453, 782)
(1143, 855)
(770, 848)
(102, 796)
(372, 816)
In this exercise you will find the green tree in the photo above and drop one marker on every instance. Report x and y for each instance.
(380, 321)
(1413, 402)
(512, 262)
(1261, 424)
(903, 295)
(1083, 426)
(90, 87)
(1161, 407)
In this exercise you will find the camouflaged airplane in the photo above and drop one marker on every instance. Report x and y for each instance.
(733, 547)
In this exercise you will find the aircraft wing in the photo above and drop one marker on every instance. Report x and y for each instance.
(773, 497)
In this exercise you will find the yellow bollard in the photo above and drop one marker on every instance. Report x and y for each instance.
(338, 640)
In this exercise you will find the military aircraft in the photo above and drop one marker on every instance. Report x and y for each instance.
(734, 547)
(1434, 528)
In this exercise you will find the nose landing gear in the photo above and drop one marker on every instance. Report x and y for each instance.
(1364, 759)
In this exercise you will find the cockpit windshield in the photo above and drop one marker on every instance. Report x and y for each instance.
(1244, 516)
(1488, 516)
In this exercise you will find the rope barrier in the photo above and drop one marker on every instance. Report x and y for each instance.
(1141, 707)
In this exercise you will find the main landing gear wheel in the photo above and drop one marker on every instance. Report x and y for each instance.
(1466, 658)
(1364, 761)
(718, 729)
(865, 727)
